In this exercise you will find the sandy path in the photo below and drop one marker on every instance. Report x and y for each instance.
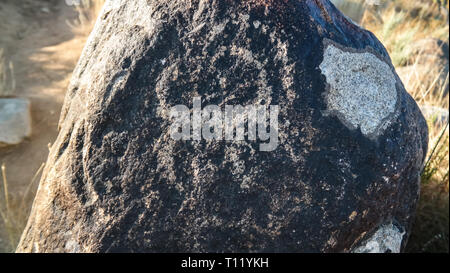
(43, 59)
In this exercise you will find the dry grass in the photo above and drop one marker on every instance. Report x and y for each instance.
(403, 22)
(14, 210)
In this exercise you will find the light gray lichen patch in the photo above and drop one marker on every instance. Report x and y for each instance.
(388, 238)
(362, 89)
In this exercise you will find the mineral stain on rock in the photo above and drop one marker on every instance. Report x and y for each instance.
(362, 89)
(351, 140)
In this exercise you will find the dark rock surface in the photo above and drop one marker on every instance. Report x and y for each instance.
(345, 172)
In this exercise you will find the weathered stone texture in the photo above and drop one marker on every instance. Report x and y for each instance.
(116, 181)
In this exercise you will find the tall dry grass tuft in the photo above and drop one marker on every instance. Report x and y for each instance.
(14, 210)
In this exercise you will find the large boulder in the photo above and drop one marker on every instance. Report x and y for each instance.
(342, 176)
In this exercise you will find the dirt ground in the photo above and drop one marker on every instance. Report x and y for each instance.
(44, 50)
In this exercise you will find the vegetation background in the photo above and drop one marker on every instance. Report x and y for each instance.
(41, 41)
